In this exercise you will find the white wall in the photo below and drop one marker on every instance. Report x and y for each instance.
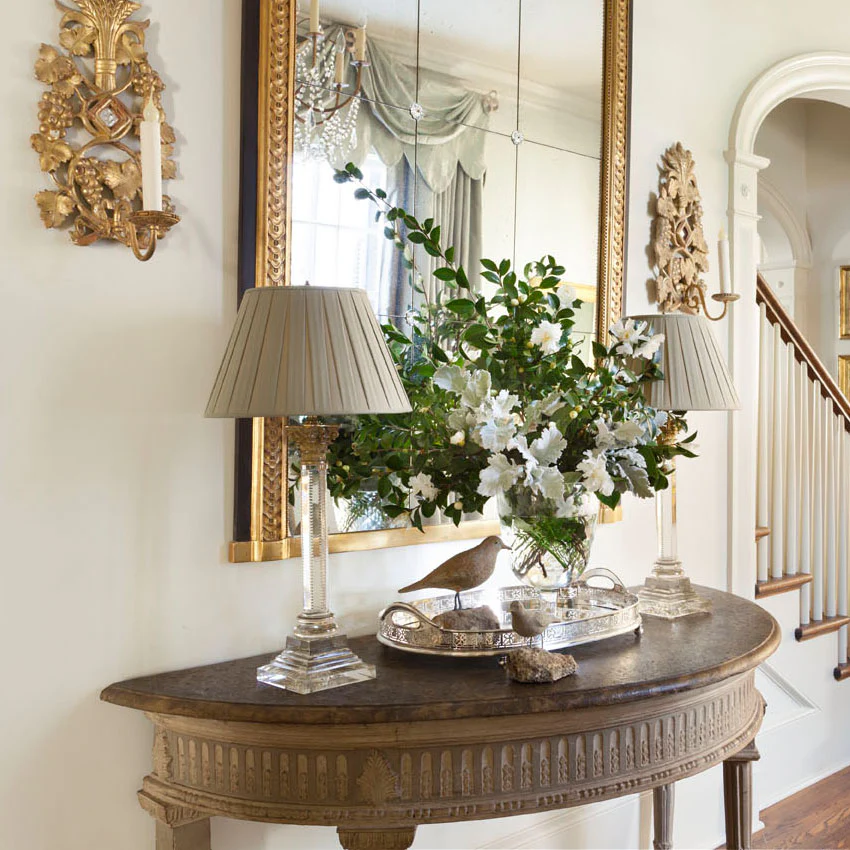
(117, 494)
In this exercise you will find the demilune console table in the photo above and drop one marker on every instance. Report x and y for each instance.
(432, 741)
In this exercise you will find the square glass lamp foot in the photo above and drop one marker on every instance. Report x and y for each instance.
(311, 664)
(669, 594)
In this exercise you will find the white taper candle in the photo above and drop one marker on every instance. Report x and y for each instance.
(725, 265)
(150, 134)
(360, 44)
(314, 16)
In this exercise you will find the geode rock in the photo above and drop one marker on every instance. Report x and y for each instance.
(534, 666)
(469, 620)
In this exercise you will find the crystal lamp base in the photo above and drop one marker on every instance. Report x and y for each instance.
(311, 664)
(671, 596)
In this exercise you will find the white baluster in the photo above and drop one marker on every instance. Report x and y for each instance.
(777, 518)
(806, 460)
(792, 496)
(830, 509)
(817, 505)
(843, 519)
(763, 510)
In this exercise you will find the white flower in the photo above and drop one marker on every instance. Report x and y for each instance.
(451, 378)
(502, 405)
(595, 474)
(628, 432)
(650, 348)
(550, 483)
(549, 446)
(458, 438)
(422, 485)
(628, 333)
(604, 438)
(661, 417)
(547, 335)
(537, 409)
(566, 295)
(477, 388)
(496, 435)
(500, 475)
(460, 419)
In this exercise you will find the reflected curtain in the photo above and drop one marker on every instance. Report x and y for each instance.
(438, 162)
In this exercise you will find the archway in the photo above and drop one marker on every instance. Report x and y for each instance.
(829, 75)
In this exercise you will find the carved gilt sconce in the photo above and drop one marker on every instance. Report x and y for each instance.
(96, 134)
(679, 247)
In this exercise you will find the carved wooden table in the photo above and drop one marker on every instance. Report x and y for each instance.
(435, 741)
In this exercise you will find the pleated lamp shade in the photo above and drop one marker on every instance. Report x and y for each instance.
(695, 374)
(306, 351)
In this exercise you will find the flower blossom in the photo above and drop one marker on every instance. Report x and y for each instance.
(422, 485)
(628, 432)
(496, 434)
(547, 336)
(451, 378)
(650, 348)
(500, 475)
(595, 474)
(628, 333)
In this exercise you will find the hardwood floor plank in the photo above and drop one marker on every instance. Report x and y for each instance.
(816, 818)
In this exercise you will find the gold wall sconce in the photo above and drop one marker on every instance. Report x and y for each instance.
(102, 136)
(679, 246)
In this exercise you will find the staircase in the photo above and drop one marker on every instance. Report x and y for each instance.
(803, 495)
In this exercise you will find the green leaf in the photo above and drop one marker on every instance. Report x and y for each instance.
(599, 351)
(380, 193)
(361, 194)
(430, 248)
(445, 273)
(490, 265)
(450, 254)
(462, 279)
(462, 306)
(505, 267)
(435, 234)
(416, 237)
(385, 487)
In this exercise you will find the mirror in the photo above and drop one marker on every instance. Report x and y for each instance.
(504, 120)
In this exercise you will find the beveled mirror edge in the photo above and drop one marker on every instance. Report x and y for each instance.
(260, 532)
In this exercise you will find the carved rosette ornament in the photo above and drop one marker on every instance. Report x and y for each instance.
(88, 135)
(679, 247)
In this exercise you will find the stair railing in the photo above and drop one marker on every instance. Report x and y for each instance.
(803, 493)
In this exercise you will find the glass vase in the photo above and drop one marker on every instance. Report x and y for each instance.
(548, 552)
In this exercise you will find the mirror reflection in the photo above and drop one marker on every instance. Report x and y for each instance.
(483, 115)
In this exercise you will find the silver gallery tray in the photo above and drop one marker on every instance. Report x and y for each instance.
(590, 614)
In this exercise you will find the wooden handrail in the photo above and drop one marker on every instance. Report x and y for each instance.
(803, 352)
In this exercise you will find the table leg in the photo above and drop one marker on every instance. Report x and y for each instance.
(662, 815)
(191, 836)
(738, 797)
(177, 828)
(376, 839)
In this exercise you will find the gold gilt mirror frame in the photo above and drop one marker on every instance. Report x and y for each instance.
(268, 84)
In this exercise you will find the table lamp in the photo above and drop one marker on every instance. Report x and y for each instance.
(310, 352)
(695, 378)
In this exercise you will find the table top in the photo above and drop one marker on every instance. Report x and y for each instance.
(670, 656)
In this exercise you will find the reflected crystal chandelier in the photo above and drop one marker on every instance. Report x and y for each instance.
(326, 105)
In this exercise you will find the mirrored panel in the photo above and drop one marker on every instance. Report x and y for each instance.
(473, 47)
(560, 74)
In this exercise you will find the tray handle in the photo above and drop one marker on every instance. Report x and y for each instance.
(387, 614)
(602, 572)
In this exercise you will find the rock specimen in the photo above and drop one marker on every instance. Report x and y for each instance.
(536, 666)
(469, 620)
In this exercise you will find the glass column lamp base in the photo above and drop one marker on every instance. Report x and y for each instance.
(317, 656)
(667, 592)
(308, 665)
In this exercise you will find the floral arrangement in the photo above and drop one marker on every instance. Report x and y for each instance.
(502, 405)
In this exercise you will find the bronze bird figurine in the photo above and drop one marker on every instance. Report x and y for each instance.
(463, 571)
(530, 624)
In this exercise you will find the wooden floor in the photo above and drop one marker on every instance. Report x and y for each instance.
(816, 818)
